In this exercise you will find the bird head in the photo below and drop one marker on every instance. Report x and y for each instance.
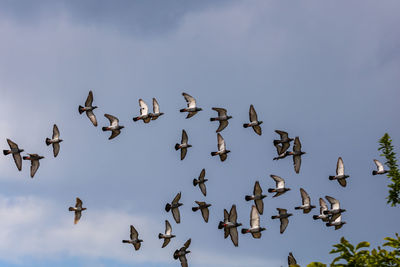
(94, 107)
(260, 122)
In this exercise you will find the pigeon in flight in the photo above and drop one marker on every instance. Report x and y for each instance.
(89, 109)
(77, 209)
(174, 207)
(380, 167)
(203, 206)
(255, 228)
(284, 141)
(340, 176)
(335, 210)
(230, 225)
(156, 110)
(144, 112)
(184, 145)
(114, 127)
(134, 239)
(222, 151)
(283, 217)
(281, 155)
(280, 186)
(254, 122)
(297, 154)
(323, 208)
(306, 202)
(181, 253)
(201, 182)
(291, 260)
(337, 222)
(16, 153)
(167, 236)
(55, 140)
(192, 109)
(257, 197)
(222, 118)
(34, 158)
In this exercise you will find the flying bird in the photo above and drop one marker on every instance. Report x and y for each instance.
(77, 209)
(297, 154)
(222, 151)
(134, 239)
(201, 182)
(335, 210)
(114, 127)
(323, 208)
(156, 110)
(291, 260)
(222, 118)
(192, 109)
(144, 112)
(55, 140)
(230, 225)
(34, 158)
(174, 208)
(337, 222)
(380, 167)
(89, 109)
(181, 253)
(255, 228)
(340, 176)
(167, 236)
(257, 197)
(281, 155)
(254, 122)
(183, 146)
(284, 142)
(203, 206)
(306, 202)
(16, 153)
(283, 217)
(280, 186)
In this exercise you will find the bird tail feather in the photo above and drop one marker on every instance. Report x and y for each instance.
(81, 109)
(6, 152)
(168, 207)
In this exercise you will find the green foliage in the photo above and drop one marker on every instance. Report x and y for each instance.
(386, 148)
(358, 256)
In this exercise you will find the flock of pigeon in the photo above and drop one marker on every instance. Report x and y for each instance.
(332, 216)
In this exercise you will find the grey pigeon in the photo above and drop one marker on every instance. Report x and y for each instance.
(338, 223)
(167, 235)
(283, 217)
(230, 225)
(323, 208)
(55, 140)
(34, 158)
(280, 186)
(16, 153)
(156, 110)
(257, 197)
(77, 209)
(254, 122)
(114, 127)
(380, 167)
(144, 112)
(222, 151)
(183, 146)
(174, 208)
(181, 253)
(306, 202)
(284, 142)
(201, 182)
(255, 228)
(222, 118)
(335, 210)
(134, 239)
(89, 109)
(297, 154)
(192, 108)
(340, 176)
(203, 207)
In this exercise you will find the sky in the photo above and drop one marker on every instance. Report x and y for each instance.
(326, 72)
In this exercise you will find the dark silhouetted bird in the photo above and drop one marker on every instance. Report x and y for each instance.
(174, 207)
(255, 228)
(280, 186)
(201, 182)
(192, 109)
(134, 239)
(55, 141)
(254, 122)
(16, 153)
(340, 176)
(283, 217)
(183, 146)
(230, 225)
(114, 127)
(77, 209)
(181, 253)
(297, 154)
(222, 118)
(203, 207)
(222, 151)
(168, 234)
(257, 197)
(306, 202)
(89, 109)
(34, 158)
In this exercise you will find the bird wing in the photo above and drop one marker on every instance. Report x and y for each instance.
(183, 152)
(202, 175)
(340, 166)
(282, 134)
(203, 188)
(166, 242)
(137, 245)
(187, 244)
(176, 215)
(284, 224)
(257, 129)
(260, 205)
(323, 205)
(77, 217)
(12, 144)
(285, 147)
(113, 120)
(78, 203)
(297, 145)
(91, 117)
(144, 109)
(280, 183)
(221, 142)
(254, 217)
(297, 163)
(34, 167)
(304, 197)
(291, 259)
(56, 132)
(191, 102)
(257, 189)
(233, 214)
(226, 216)
(183, 261)
(338, 219)
(191, 114)
(221, 111)
(223, 156)
(17, 160)
(379, 165)
(184, 138)
(222, 125)
(342, 182)
(56, 149)
(234, 236)
(205, 213)
(256, 235)
(226, 232)
(177, 198)
(278, 149)
(134, 234)
(89, 99)
(156, 106)
(252, 114)
(168, 228)
(335, 204)
(114, 133)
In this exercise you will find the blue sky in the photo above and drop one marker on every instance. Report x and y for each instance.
(325, 72)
